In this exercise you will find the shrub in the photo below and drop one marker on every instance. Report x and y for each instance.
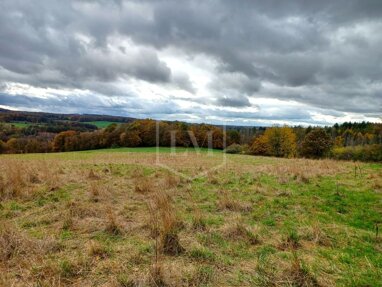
(360, 153)
(234, 149)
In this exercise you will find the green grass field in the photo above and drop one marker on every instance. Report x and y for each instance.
(116, 218)
(19, 124)
(98, 124)
(101, 124)
(150, 150)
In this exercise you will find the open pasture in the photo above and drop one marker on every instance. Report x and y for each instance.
(105, 218)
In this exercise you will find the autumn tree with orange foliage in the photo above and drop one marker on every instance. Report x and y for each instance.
(276, 141)
(260, 146)
(64, 141)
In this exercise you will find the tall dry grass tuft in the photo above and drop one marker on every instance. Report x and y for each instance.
(227, 202)
(198, 220)
(317, 235)
(165, 224)
(76, 209)
(201, 276)
(93, 176)
(94, 191)
(12, 243)
(299, 275)
(18, 178)
(74, 267)
(13, 183)
(143, 185)
(33, 177)
(97, 250)
(113, 226)
(240, 232)
(49, 172)
(15, 244)
(156, 275)
(212, 178)
(68, 221)
(291, 241)
(171, 181)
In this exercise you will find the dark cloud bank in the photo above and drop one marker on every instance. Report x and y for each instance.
(326, 55)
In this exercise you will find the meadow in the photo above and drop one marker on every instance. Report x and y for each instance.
(98, 124)
(18, 124)
(116, 218)
(101, 124)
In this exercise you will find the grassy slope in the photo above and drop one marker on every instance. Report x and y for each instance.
(101, 124)
(20, 124)
(255, 222)
(98, 124)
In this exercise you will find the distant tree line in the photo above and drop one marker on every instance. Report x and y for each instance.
(350, 141)
(52, 118)
(140, 133)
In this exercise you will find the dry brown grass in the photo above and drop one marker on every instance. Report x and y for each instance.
(212, 178)
(13, 181)
(291, 241)
(298, 275)
(227, 202)
(113, 226)
(68, 221)
(15, 244)
(239, 231)
(316, 235)
(21, 179)
(198, 220)
(165, 223)
(93, 176)
(80, 209)
(156, 276)
(94, 191)
(72, 268)
(96, 207)
(292, 273)
(50, 173)
(171, 181)
(143, 185)
(301, 170)
(96, 249)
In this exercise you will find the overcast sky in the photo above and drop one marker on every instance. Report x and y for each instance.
(236, 62)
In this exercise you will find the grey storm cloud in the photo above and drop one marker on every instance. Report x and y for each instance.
(325, 54)
(84, 103)
(233, 101)
(68, 103)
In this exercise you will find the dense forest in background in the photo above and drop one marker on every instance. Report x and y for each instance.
(47, 132)
(40, 117)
